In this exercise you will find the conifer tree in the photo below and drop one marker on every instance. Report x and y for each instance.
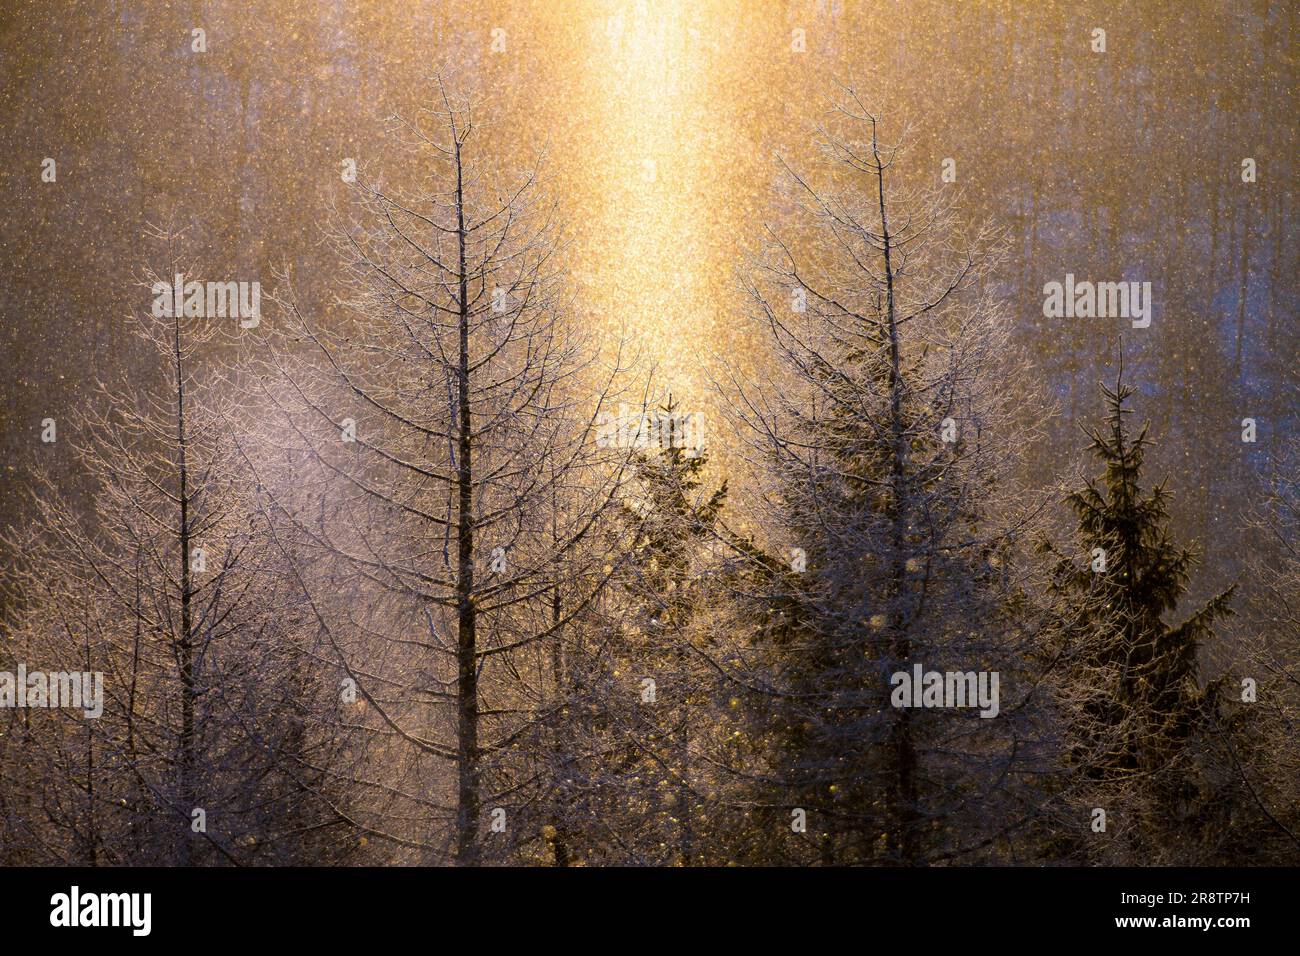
(433, 461)
(671, 517)
(153, 571)
(1136, 706)
(885, 536)
(642, 696)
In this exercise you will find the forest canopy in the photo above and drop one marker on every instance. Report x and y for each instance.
(658, 434)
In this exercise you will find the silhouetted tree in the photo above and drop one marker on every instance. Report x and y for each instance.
(1136, 705)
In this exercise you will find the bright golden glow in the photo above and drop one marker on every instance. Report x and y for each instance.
(653, 175)
(646, 255)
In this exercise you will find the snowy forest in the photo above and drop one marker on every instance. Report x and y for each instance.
(649, 433)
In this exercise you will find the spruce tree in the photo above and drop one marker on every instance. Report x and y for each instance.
(885, 522)
(658, 694)
(1134, 699)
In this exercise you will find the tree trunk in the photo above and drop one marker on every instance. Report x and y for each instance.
(185, 649)
(904, 842)
(467, 806)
